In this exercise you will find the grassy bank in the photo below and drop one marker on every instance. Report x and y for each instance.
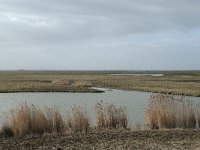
(181, 83)
(33, 83)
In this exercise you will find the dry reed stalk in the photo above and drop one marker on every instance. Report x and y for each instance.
(78, 121)
(54, 119)
(20, 120)
(58, 122)
(166, 111)
(101, 116)
(31, 119)
(198, 115)
(111, 116)
(39, 122)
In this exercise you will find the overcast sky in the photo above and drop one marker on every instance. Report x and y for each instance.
(99, 34)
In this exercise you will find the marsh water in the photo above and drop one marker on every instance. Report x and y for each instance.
(136, 102)
(136, 74)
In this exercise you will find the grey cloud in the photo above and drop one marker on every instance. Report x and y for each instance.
(103, 31)
(135, 14)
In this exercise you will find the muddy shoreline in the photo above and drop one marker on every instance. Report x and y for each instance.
(115, 139)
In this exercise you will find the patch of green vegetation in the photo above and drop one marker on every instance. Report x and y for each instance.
(174, 82)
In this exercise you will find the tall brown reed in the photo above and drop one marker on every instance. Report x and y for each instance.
(31, 119)
(27, 119)
(198, 114)
(54, 119)
(111, 116)
(166, 111)
(78, 120)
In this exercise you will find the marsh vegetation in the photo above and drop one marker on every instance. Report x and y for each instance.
(163, 112)
(33, 127)
(174, 82)
(168, 112)
(31, 119)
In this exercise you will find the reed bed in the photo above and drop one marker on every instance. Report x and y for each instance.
(78, 120)
(173, 82)
(111, 116)
(198, 114)
(166, 111)
(27, 119)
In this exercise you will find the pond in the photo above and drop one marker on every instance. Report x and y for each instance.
(136, 102)
(135, 74)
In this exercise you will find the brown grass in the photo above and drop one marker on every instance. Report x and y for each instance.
(198, 114)
(111, 116)
(166, 111)
(55, 121)
(27, 119)
(81, 83)
(163, 111)
(73, 83)
(31, 119)
(61, 82)
(78, 120)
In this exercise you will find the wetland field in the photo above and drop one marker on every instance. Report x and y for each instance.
(99, 109)
(171, 82)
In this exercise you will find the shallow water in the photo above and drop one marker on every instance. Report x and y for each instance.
(136, 102)
(135, 74)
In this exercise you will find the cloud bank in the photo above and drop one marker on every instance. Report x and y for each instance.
(99, 34)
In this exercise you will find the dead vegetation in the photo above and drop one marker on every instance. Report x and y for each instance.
(111, 116)
(61, 82)
(173, 82)
(165, 111)
(78, 120)
(72, 83)
(27, 119)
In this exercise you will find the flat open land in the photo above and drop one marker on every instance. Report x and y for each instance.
(184, 82)
(152, 139)
(172, 82)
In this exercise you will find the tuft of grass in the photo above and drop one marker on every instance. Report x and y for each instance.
(61, 82)
(166, 111)
(111, 116)
(31, 119)
(81, 83)
(54, 119)
(78, 120)
(198, 115)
